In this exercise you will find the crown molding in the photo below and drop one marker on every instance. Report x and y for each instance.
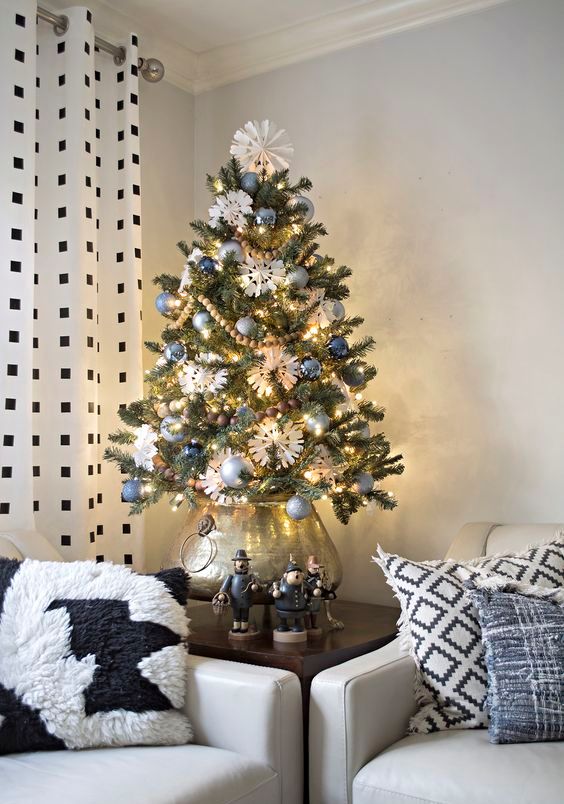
(196, 73)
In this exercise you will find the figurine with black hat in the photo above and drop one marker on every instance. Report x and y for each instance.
(319, 590)
(238, 590)
(290, 598)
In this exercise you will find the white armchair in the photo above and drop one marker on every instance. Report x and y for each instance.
(359, 712)
(248, 741)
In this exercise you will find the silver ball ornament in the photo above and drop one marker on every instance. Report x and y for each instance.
(175, 352)
(317, 423)
(338, 309)
(201, 320)
(173, 429)
(165, 303)
(163, 410)
(132, 491)
(297, 277)
(265, 216)
(250, 182)
(231, 470)
(363, 482)
(246, 326)
(304, 202)
(298, 507)
(231, 247)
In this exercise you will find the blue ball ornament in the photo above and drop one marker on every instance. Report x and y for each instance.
(353, 375)
(165, 303)
(232, 247)
(265, 216)
(250, 183)
(192, 450)
(173, 429)
(298, 507)
(175, 352)
(310, 368)
(338, 347)
(132, 491)
(363, 483)
(207, 266)
(201, 320)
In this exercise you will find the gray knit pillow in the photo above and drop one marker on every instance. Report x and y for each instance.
(439, 627)
(523, 636)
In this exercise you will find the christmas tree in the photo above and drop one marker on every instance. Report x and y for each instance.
(258, 388)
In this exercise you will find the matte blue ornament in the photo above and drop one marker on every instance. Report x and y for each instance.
(298, 507)
(165, 303)
(232, 247)
(297, 277)
(175, 352)
(310, 368)
(338, 347)
(192, 450)
(250, 182)
(363, 482)
(173, 429)
(132, 491)
(353, 375)
(201, 320)
(265, 216)
(207, 265)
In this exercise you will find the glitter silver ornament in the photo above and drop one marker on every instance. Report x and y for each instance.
(317, 423)
(298, 507)
(249, 182)
(302, 201)
(232, 247)
(297, 277)
(231, 470)
(165, 303)
(173, 429)
(246, 326)
(363, 482)
(175, 352)
(265, 216)
(310, 368)
(201, 320)
(132, 491)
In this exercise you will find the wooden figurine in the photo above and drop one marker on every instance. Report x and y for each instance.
(290, 598)
(314, 583)
(238, 590)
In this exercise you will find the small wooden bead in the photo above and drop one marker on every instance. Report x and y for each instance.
(283, 407)
(253, 344)
(222, 420)
(169, 474)
(239, 338)
(246, 341)
(212, 417)
(201, 297)
(294, 404)
(260, 414)
(268, 255)
(222, 322)
(199, 485)
(233, 420)
(271, 412)
(233, 333)
(191, 482)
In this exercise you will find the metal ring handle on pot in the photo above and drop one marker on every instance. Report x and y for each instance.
(213, 551)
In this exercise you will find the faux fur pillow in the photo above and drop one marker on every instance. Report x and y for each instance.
(439, 627)
(91, 655)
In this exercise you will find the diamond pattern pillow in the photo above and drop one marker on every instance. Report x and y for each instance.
(439, 626)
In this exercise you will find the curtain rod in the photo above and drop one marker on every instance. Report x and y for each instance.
(151, 69)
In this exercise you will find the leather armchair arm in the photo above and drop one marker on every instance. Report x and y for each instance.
(253, 711)
(356, 710)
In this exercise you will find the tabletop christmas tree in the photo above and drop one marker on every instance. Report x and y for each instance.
(258, 386)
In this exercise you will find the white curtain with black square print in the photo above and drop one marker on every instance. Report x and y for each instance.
(70, 271)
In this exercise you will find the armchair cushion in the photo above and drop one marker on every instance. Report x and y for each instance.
(440, 628)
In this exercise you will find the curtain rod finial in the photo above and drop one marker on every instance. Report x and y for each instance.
(152, 70)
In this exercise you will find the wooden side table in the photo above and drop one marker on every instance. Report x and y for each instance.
(367, 627)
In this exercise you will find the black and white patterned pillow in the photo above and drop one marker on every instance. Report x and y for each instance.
(91, 654)
(439, 626)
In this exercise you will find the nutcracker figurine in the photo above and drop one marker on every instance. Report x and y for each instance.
(316, 584)
(238, 589)
(291, 597)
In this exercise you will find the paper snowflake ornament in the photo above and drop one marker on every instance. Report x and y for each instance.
(322, 467)
(145, 449)
(322, 315)
(276, 364)
(231, 208)
(193, 259)
(212, 484)
(260, 146)
(283, 444)
(259, 275)
(202, 377)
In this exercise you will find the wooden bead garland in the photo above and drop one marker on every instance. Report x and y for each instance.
(269, 340)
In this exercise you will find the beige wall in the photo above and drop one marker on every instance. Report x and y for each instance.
(167, 130)
(436, 157)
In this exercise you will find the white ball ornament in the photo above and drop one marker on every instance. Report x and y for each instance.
(303, 201)
(231, 470)
(363, 482)
(297, 277)
(246, 326)
(231, 247)
(298, 507)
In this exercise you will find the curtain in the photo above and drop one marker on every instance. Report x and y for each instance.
(70, 273)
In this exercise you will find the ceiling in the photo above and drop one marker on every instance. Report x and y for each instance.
(208, 43)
